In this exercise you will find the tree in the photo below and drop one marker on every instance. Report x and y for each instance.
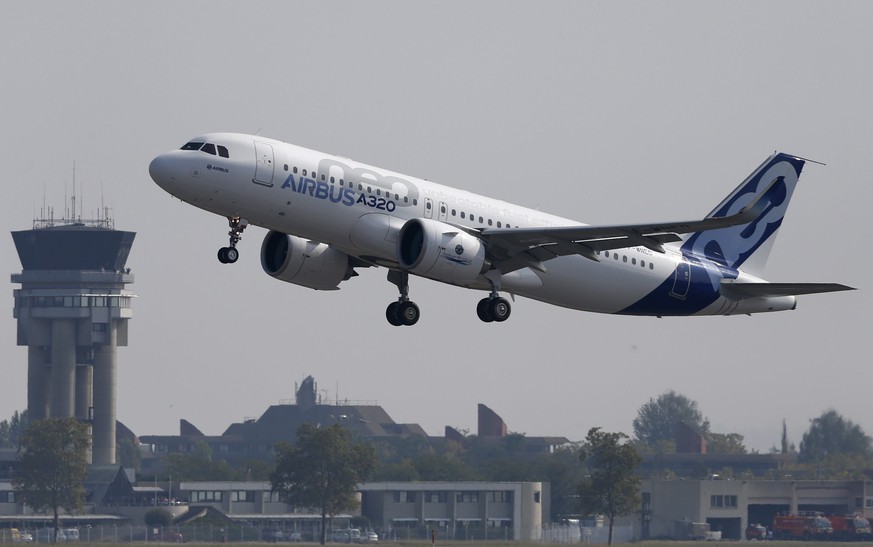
(11, 430)
(829, 435)
(322, 469)
(725, 443)
(612, 487)
(656, 421)
(53, 466)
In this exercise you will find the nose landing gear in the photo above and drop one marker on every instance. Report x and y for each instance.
(230, 254)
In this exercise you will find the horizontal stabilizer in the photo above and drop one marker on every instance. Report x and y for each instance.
(740, 291)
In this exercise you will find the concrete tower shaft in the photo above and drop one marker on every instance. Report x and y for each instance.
(72, 311)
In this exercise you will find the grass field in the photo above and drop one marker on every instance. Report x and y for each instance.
(523, 544)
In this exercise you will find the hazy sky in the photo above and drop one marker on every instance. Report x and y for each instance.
(605, 112)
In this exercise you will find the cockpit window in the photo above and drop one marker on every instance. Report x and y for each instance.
(208, 147)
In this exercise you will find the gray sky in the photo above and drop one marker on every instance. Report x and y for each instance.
(603, 112)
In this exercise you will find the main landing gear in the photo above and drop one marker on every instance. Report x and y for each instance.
(494, 308)
(405, 311)
(229, 255)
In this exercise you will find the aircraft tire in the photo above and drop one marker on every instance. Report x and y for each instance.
(222, 255)
(392, 314)
(231, 254)
(482, 310)
(499, 309)
(408, 313)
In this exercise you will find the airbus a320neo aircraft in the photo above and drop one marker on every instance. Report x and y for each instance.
(328, 215)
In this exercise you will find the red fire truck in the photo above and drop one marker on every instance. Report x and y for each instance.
(850, 528)
(804, 525)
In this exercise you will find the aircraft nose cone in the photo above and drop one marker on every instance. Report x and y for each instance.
(160, 171)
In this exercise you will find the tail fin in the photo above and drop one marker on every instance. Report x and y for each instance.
(749, 245)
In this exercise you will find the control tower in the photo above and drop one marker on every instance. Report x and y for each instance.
(72, 311)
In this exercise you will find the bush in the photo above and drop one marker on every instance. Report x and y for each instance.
(158, 517)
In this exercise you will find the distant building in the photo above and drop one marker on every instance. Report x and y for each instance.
(255, 438)
(456, 510)
(729, 506)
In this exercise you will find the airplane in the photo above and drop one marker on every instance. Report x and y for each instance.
(328, 215)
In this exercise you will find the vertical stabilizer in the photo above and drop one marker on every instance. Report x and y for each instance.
(748, 245)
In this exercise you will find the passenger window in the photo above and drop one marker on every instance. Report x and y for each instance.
(192, 146)
(624, 258)
(304, 172)
(489, 222)
(286, 167)
(405, 199)
(209, 148)
(442, 209)
(463, 215)
(454, 212)
(322, 177)
(481, 220)
(222, 151)
(331, 180)
(428, 205)
(634, 261)
(498, 224)
(378, 192)
(643, 263)
(294, 170)
(606, 254)
(651, 266)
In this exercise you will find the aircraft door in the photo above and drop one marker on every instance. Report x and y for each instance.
(444, 211)
(263, 164)
(681, 280)
(428, 208)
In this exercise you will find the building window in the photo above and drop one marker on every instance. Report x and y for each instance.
(467, 497)
(403, 496)
(537, 496)
(722, 501)
(502, 496)
(435, 497)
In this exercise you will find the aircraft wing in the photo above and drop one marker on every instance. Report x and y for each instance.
(514, 248)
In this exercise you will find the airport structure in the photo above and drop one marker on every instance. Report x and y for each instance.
(72, 311)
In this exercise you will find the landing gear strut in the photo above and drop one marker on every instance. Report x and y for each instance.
(229, 255)
(404, 311)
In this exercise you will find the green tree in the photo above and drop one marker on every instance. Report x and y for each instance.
(829, 435)
(656, 421)
(53, 466)
(322, 470)
(198, 465)
(725, 443)
(611, 487)
(11, 430)
(156, 518)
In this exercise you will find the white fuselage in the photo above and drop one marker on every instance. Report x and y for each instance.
(359, 210)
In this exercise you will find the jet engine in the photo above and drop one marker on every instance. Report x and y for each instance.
(439, 251)
(302, 262)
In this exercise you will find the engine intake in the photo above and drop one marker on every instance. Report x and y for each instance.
(439, 251)
(302, 262)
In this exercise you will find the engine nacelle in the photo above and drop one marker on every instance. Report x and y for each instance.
(439, 251)
(302, 262)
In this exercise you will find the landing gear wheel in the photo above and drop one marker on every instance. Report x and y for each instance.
(222, 255)
(393, 315)
(408, 313)
(499, 309)
(482, 310)
(231, 254)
